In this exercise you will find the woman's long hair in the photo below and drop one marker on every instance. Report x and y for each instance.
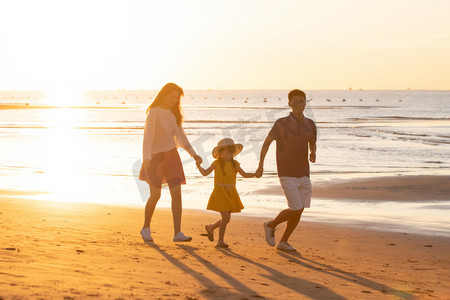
(159, 99)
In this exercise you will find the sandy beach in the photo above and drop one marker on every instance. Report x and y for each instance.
(79, 251)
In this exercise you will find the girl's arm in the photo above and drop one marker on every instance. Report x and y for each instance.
(207, 171)
(244, 174)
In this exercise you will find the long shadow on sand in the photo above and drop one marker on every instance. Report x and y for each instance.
(211, 288)
(245, 290)
(297, 258)
(301, 286)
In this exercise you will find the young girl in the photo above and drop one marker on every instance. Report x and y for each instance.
(224, 198)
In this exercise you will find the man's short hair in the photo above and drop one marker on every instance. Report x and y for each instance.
(296, 92)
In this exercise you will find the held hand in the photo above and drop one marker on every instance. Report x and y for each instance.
(312, 157)
(198, 160)
(259, 172)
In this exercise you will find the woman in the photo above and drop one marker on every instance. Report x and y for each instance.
(163, 134)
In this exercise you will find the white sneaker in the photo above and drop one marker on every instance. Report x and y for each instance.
(284, 246)
(146, 234)
(270, 234)
(180, 237)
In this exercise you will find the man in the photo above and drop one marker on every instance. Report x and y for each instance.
(293, 135)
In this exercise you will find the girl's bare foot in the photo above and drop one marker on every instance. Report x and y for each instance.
(210, 233)
(222, 245)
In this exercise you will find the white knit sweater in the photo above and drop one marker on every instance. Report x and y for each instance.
(162, 133)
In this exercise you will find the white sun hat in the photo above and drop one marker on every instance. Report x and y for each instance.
(226, 142)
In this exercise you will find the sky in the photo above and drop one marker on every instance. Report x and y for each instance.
(324, 44)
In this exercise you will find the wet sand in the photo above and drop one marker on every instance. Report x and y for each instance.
(393, 188)
(79, 251)
(390, 188)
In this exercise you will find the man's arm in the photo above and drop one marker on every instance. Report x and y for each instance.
(264, 149)
(312, 144)
(312, 154)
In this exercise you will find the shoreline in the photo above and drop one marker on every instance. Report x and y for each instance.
(408, 188)
(57, 249)
(346, 207)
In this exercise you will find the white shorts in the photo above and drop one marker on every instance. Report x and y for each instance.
(298, 191)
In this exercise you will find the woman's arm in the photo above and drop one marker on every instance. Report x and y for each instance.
(149, 134)
(184, 143)
(203, 171)
(244, 174)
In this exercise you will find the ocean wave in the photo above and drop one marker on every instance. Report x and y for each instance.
(33, 106)
(390, 118)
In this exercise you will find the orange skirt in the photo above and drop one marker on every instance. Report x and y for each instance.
(165, 168)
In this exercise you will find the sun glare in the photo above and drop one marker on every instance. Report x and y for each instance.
(64, 152)
(64, 98)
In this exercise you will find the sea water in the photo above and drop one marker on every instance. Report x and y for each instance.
(88, 147)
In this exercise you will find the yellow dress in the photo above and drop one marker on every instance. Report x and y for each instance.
(225, 196)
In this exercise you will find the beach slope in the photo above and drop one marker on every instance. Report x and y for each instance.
(79, 251)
